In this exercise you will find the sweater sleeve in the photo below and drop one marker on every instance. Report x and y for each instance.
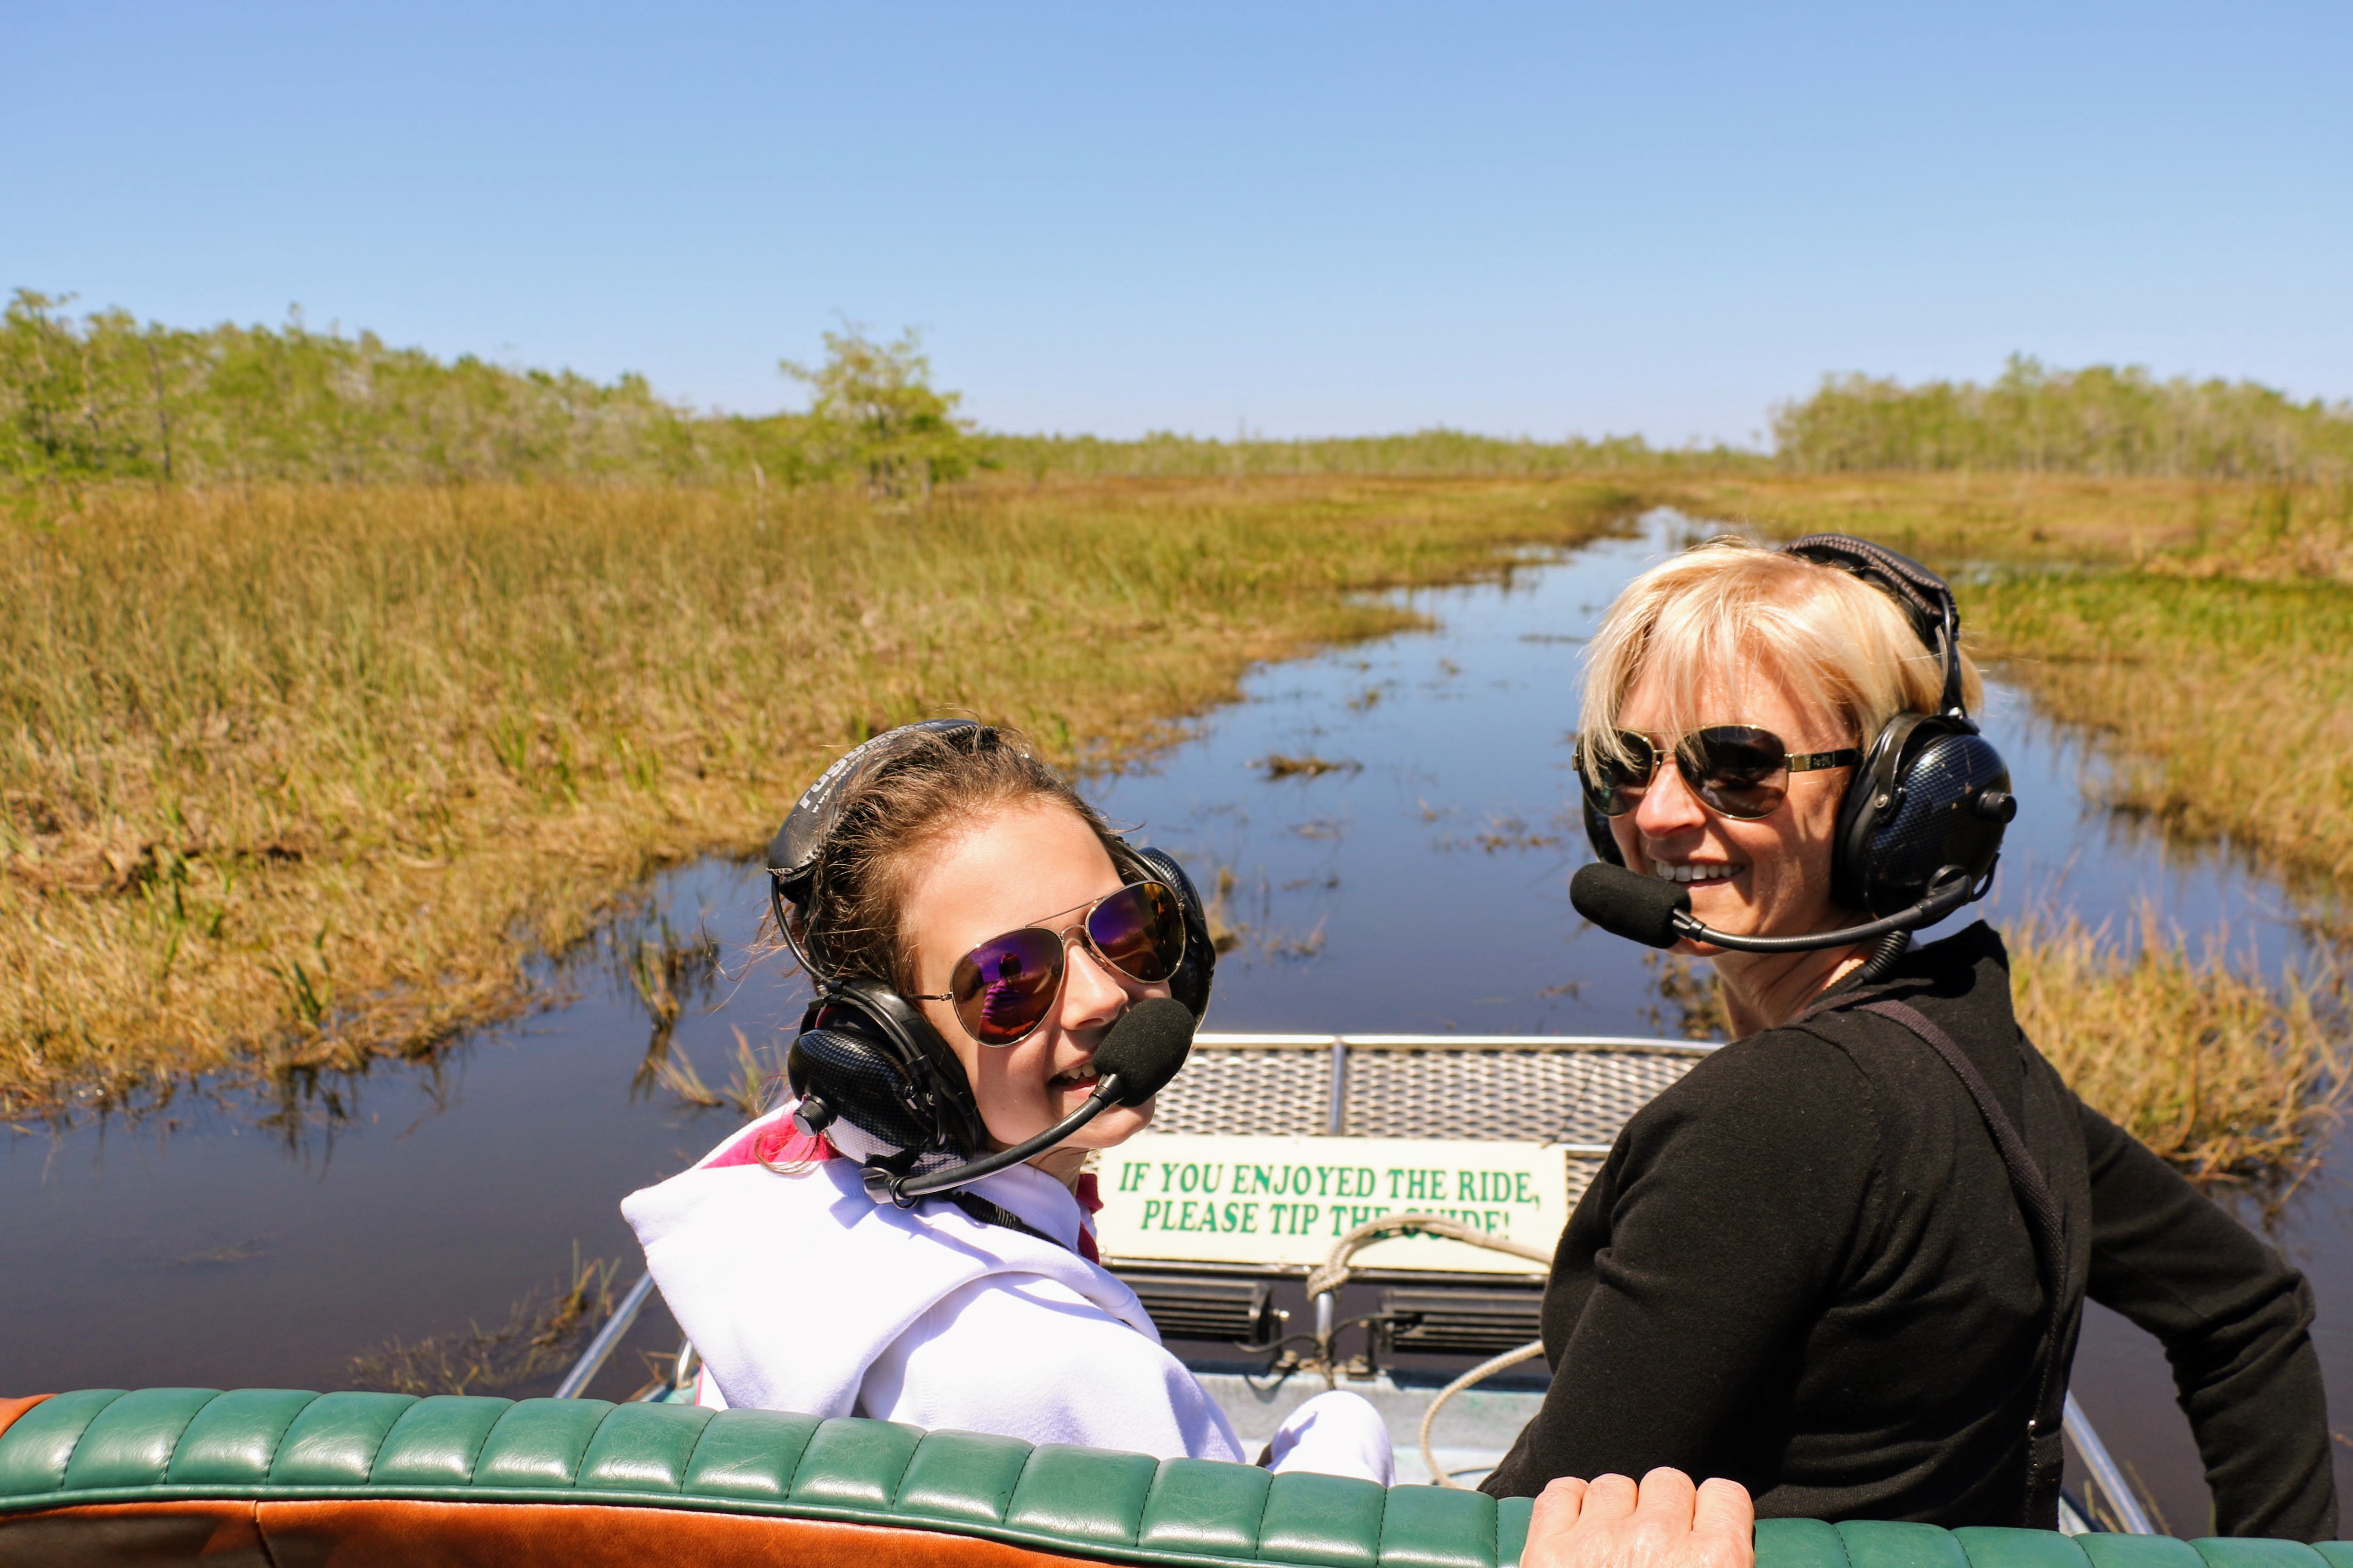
(2232, 1316)
(1692, 1270)
(1027, 1357)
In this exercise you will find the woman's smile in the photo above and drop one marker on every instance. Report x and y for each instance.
(1695, 871)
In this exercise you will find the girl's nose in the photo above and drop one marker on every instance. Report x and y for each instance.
(1090, 994)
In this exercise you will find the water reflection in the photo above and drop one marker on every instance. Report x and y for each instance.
(1387, 830)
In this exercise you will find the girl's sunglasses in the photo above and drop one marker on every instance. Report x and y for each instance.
(1737, 770)
(1004, 989)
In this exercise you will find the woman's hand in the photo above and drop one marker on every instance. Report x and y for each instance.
(1666, 1523)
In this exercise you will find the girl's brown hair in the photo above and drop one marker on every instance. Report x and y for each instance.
(852, 922)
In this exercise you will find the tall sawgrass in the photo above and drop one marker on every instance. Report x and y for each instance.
(2233, 1079)
(295, 775)
(2222, 707)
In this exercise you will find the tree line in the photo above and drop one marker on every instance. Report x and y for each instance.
(2098, 420)
(106, 397)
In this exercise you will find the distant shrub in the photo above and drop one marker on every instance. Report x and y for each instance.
(2099, 420)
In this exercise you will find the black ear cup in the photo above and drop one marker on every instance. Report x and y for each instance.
(844, 1073)
(1191, 985)
(925, 1097)
(1932, 797)
(1598, 834)
(1930, 801)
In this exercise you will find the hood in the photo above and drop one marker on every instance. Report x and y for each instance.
(790, 1286)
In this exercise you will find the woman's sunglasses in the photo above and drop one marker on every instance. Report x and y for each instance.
(1737, 770)
(1004, 989)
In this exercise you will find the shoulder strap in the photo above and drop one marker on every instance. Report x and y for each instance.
(987, 1213)
(2046, 1228)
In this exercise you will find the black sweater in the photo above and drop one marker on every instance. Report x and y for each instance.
(1803, 1266)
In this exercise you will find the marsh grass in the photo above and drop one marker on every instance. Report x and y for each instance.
(2231, 1079)
(542, 1333)
(1276, 765)
(2221, 708)
(294, 778)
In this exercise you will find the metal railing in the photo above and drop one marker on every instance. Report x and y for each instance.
(2105, 1471)
(600, 1348)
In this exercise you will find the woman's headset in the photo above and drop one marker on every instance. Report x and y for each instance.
(1931, 798)
(867, 1055)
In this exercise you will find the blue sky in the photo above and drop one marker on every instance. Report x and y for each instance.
(1315, 219)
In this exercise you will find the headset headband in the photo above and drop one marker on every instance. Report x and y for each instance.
(1925, 598)
(793, 852)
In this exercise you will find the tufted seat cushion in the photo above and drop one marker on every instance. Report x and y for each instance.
(276, 1476)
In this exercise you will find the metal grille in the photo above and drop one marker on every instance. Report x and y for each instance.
(1266, 1093)
(1580, 1176)
(1535, 1096)
(1531, 1089)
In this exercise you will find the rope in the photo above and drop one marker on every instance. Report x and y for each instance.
(1334, 1272)
(1480, 1374)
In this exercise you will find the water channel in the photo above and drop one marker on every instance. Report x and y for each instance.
(1420, 885)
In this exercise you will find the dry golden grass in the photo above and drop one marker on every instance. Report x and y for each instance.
(2199, 1056)
(298, 777)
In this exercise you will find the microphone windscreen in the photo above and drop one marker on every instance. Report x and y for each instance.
(1629, 904)
(1147, 1047)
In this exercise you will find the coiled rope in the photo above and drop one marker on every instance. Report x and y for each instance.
(1336, 1269)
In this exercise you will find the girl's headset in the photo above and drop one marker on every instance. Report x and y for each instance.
(1930, 800)
(867, 1055)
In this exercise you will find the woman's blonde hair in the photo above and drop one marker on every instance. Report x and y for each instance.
(1728, 610)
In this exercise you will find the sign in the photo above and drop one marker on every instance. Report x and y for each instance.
(1213, 1199)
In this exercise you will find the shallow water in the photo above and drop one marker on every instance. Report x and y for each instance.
(1419, 886)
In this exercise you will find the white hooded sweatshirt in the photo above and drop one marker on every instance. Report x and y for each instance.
(800, 1292)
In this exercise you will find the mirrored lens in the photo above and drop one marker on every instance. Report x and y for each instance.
(1004, 989)
(1615, 786)
(1737, 769)
(1140, 932)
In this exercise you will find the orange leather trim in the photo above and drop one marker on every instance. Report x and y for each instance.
(12, 1408)
(381, 1534)
(205, 1534)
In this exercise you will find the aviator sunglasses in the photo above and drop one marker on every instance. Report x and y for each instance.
(1003, 989)
(1736, 770)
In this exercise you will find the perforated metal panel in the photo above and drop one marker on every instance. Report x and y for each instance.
(1531, 1090)
(1272, 1093)
(1523, 1096)
(1580, 1176)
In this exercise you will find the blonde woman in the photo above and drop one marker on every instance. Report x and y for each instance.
(1843, 1261)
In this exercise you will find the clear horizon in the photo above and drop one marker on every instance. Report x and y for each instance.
(1305, 221)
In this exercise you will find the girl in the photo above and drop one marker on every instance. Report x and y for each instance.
(974, 931)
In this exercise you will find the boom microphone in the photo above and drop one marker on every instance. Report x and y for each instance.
(1134, 1062)
(1629, 904)
(1657, 913)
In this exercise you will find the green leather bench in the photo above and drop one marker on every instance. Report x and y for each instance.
(279, 1477)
